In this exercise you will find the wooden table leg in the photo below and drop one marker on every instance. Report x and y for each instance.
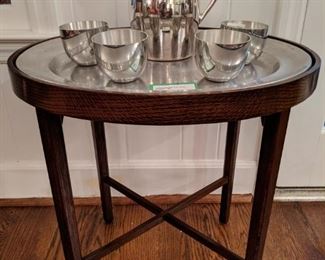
(274, 132)
(229, 169)
(57, 167)
(98, 130)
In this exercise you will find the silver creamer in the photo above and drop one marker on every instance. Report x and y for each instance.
(170, 24)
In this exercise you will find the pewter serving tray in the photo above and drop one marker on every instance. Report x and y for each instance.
(48, 62)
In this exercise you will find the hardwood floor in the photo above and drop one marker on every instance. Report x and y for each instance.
(297, 231)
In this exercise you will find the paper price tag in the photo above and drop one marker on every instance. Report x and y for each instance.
(174, 86)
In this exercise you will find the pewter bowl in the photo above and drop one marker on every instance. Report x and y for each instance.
(76, 40)
(256, 30)
(221, 54)
(121, 53)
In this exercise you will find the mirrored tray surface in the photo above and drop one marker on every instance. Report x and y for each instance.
(48, 62)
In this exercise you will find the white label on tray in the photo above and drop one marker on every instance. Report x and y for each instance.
(173, 87)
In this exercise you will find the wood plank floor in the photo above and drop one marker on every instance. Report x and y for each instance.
(297, 231)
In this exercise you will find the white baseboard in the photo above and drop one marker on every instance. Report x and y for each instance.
(148, 177)
(28, 179)
(299, 194)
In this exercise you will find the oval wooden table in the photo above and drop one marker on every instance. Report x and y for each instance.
(285, 75)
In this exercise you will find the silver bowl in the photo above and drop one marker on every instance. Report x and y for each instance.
(258, 32)
(121, 53)
(221, 54)
(76, 38)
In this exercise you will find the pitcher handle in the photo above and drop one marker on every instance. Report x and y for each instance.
(207, 10)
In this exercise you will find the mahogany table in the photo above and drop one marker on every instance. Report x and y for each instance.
(285, 75)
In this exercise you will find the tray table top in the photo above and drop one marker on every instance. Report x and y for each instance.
(43, 76)
(279, 62)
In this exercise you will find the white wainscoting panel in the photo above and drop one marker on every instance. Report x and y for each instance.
(290, 18)
(75, 131)
(124, 13)
(303, 163)
(219, 12)
(255, 10)
(19, 137)
(10, 13)
(96, 10)
(249, 140)
(148, 177)
(200, 142)
(154, 143)
(117, 144)
(26, 19)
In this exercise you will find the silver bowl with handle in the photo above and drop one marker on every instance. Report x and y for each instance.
(76, 38)
(258, 32)
(221, 54)
(121, 53)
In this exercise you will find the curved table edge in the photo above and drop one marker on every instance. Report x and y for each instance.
(165, 108)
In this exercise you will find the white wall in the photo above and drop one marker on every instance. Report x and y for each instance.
(304, 152)
(153, 160)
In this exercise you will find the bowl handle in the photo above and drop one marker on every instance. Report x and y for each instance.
(206, 11)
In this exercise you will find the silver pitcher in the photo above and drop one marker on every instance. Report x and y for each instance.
(170, 24)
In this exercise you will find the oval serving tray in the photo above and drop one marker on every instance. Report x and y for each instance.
(48, 62)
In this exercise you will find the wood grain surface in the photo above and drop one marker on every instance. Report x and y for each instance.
(296, 232)
(99, 139)
(273, 137)
(232, 138)
(5, 2)
(50, 126)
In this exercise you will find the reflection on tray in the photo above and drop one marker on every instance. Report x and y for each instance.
(278, 62)
(89, 76)
(161, 73)
(136, 86)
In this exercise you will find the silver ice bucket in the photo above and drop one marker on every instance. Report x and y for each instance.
(170, 24)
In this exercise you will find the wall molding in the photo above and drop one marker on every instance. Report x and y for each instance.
(281, 195)
(122, 201)
(9, 46)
